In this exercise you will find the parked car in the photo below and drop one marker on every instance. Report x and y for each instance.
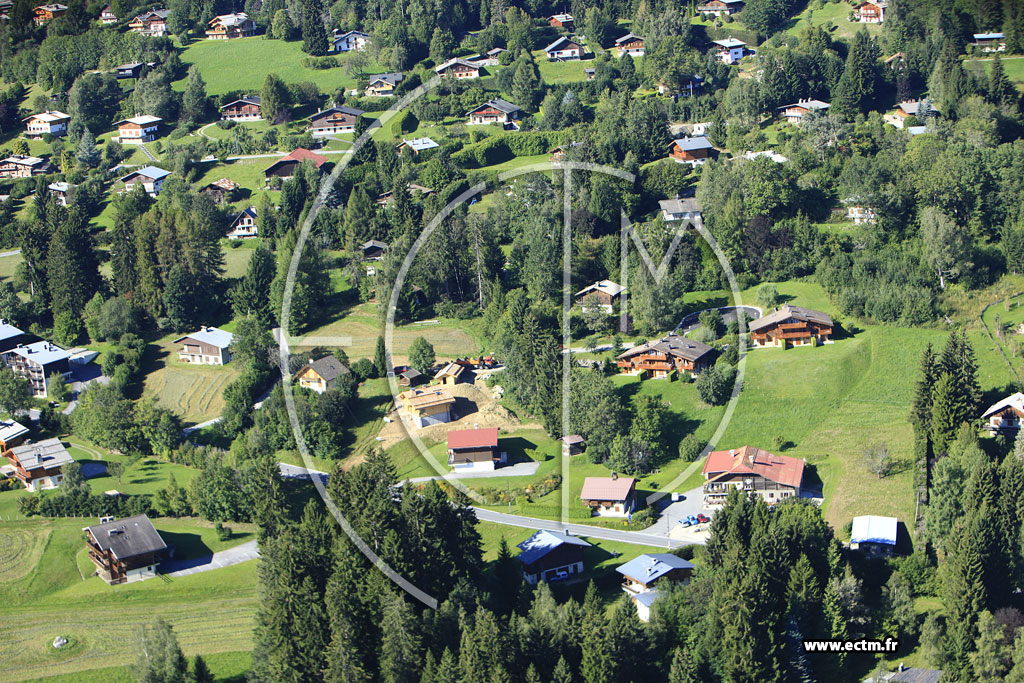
(560, 575)
(689, 520)
(703, 519)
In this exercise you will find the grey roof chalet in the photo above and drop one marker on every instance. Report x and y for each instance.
(693, 144)
(151, 172)
(373, 244)
(729, 43)
(626, 38)
(328, 367)
(499, 104)
(560, 44)
(336, 110)
(677, 205)
(809, 104)
(786, 312)
(543, 542)
(213, 336)
(48, 454)
(128, 537)
(248, 99)
(914, 675)
(672, 345)
(390, 79)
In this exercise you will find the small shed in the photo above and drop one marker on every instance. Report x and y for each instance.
(573, 444)
(874, 535)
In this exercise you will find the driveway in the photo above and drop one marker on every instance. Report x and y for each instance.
(225, 558)
(689, 323)
(520, 469)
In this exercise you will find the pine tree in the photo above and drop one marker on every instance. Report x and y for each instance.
(921, 408)
(856, 88)
(194, 102)
(400, 645)
(72, 267)
(992, 659)
(948, 412)
(160, 657)
(682, 669)
(525, 83)
(380, 362)
(597, 664)
(1013, 27)
(86, 152)
(562, 673)
(1016, 674)
(1001, 90)
(275, 99)
(314, 35)
(447, 668)
(200, 672)
(948, 83)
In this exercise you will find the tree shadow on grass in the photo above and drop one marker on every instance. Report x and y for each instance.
(517, 447)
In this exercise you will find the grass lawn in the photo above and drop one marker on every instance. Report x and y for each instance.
(225, 666)
(1013, 66)
(561, 72)
(836, 13)
(193, 392)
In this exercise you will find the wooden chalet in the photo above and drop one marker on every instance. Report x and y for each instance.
(150, 178)
(752, 471)
(630, 44)
(458, 69)
(61, 191)
(720, 8)
(38, 362)
(573, 444)
(663, 358)
(245, 109)
(220, 191)
(454, 373)
(285, 166)
(128, 549)
(874, 535)
(908, 109)
(474, 449)
(603, 293)
(644, 574)
(729, 50)
(40, 465)
(411, 378)
(564, 49)
(564, 21)
(612, 496)
(551, 556)
(794, 113)
(138, 129)
(386, 198)
(1006, 416)
(872, 12)
(383, 85)
(334, 120)
(693, 151)
(791, 326)
(428, 406)
(208, 346)
(107, 16)
(12, 434)
(416, 145)
(244, 225)
(676, 209)
(990, 42)
(321, 374)
(151, 23)
(18, 166)
(42, 14)
(373, 249)
(495, 111)
(129, 70)
(349, 41)
(229, 26)
(53, 123)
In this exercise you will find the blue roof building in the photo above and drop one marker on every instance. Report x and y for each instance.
(551, 556)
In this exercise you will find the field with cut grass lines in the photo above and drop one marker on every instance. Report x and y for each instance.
(193, 393)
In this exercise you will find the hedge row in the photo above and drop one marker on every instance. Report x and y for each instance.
(499, 148)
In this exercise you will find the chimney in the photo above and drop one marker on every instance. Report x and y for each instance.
(615, 475)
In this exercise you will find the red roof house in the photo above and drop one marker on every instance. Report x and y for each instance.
(752, 471)
(612, 496)
(286, 165)
(474, 449)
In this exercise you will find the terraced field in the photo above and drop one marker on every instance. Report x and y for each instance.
(195, 393)
(20, 550)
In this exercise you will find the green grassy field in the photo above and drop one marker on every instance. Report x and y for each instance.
(1013, 66)
(193, 392)
(834, 13)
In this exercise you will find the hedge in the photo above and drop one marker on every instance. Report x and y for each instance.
(499, 148)
(406, 122)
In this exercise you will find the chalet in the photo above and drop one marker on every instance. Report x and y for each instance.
(909, 108)
(794, 113)
(551, 556)
(10, 336)
(46, 13)
(687, 209)
(872, 12)
(720, 8)
(489, 58)
(54, 123)
(386, 198)
(208, 346)
(18, 166)
(495, 111)
(691, 151)
(630, 44)
(428, 406)
(150, 178)
(334, 120)
(373, 249)
(573, 444)
(383, 85)
(61, 191)
(245, 109)
(411, 377)
(458, 68)
(751, 471)
(454, 373)
(321, 374)
(1006, 415)
(129, 70)
(663, 358)
(874, 535)
(791, 326)
(228, 26)
(151, 23)
(687, 86)
(138, 129)
(612, 496)
(286, 165)
(859, 212)
(39, 465)
(416, 145)
(564, 21)
(220, 191)
(128, 549)
(244, 225)
(990, 42)
(563, 50)
(349, 41)
(474, 450)
(107, 16)
(590, 74)
(643, 574)
(910, 674)
(12, 434)
(604, 293)
(729, 50)
(38, 362)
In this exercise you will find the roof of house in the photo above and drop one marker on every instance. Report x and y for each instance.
(562, 17)
(626, 38)
(649, 567)
(988, 36)
(247, 211)
(7, 331)
(151, 172)
(473, 438)
(391, 78)
(40, 352)
(301, 154)
(677, 205)
(128, 537)
(411, 373)
(672, 345)
(452, 62)
(248, 99)
(607, 286)
(810, 104)
(873, 529)
(420, 144)
(607, 488)
(729, 43)
(786, 312)
(572, 439)
(693, 144)
(453, 369)
(223, 184)
(152, 14)
(22, 160)
(233, 19)
(543, 542)
(46, 454)
(426, 397)
(214, 336)
(1015, 401)
(140, 120)
(373, 244)
(781, 469)
(914, 675)
(557, 45)
(917, 130)
(10, 429)
(48, 116)
(60, 187)
(647, 598)
(771, 154)
(351, 33)
(54, 7)
(336, 110)
(329, 368)
(499, 104)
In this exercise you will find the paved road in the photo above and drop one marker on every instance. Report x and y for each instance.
(633, 537)
(225, 558)
(15, 252)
